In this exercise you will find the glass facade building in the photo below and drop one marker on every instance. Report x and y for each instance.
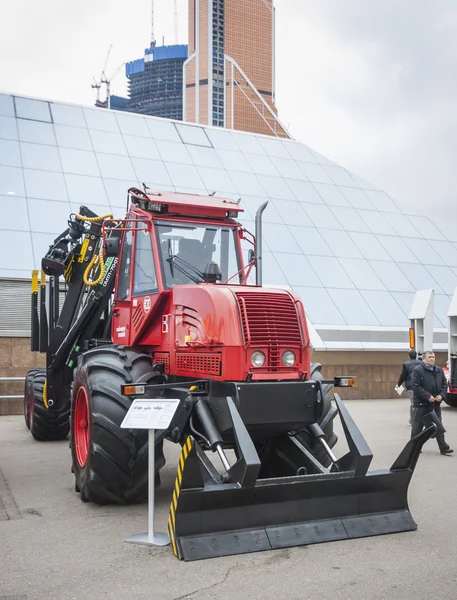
(354, 254)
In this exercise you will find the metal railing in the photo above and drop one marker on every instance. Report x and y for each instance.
(12, 397)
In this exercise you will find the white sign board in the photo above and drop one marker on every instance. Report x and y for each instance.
(150, 414)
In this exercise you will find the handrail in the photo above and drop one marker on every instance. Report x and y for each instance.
(13, 396)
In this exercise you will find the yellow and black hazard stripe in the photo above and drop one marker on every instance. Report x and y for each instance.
(68, 271)
(186, 449)
(35, 282)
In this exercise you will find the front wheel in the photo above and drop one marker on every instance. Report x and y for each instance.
(451, 400)
(110, 464)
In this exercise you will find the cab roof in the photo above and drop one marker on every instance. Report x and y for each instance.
(177, 203)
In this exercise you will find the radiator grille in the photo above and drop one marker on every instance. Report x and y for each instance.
(270, 321)
(164, 358)
(207, 364)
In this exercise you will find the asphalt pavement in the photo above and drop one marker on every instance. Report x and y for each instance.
(54, 547)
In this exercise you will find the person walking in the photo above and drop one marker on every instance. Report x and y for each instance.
(405, 377)
(429, 389)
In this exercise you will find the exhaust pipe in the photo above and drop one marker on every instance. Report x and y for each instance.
(258, 237)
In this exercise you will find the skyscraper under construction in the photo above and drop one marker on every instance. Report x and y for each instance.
(229, 76)
(155, 82)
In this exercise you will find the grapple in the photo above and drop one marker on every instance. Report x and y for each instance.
(243, 511)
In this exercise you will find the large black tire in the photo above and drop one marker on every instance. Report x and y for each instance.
(27, 395)
(451, 400)
(46, 424)
(114, 467)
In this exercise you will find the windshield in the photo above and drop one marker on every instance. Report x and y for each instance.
(186, 249)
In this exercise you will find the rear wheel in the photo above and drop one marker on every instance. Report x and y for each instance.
(110, 464)
(46, 424)
(28, 395)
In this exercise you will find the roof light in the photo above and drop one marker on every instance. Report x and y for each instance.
(156, 206)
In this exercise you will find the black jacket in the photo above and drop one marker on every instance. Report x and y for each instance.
(408, 368)
(428, 383)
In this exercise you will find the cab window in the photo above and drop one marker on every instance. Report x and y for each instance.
(144, 275)
(123, 282)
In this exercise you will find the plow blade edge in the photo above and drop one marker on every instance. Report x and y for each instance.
(209, 518)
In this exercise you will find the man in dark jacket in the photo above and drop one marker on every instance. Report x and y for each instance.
(429, 389)
(405, 376)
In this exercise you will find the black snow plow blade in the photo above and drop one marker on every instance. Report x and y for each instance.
(210, 518)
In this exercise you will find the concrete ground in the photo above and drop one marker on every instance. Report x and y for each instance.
(54, 547)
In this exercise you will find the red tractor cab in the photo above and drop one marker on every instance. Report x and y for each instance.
(183, 291)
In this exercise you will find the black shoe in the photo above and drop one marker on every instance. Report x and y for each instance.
(447, 451)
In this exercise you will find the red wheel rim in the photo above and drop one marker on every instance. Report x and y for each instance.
(81, 426)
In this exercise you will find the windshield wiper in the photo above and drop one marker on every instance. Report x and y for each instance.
(185, 268)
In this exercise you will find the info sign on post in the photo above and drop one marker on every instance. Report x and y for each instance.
(151, 415)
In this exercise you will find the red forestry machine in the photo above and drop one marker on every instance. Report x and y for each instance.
(159, 304)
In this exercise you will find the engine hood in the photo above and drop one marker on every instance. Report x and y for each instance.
(218, 315)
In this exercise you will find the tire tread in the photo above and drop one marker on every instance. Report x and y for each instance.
(116, 471)
(47, 425)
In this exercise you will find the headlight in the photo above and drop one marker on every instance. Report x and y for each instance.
(258, 358)
(288, 358)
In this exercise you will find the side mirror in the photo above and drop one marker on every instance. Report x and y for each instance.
(112, 246)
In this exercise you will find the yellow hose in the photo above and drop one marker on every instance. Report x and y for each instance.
(97, 259)
(94, 219)
(45, 393)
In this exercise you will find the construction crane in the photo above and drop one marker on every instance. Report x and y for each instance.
(153, 38)
(98, 83)
(96, 86)
(105, 80)
(175, 23)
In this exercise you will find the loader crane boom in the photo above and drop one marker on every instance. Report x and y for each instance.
(83, 318)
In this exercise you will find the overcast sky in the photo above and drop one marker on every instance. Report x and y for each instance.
(372, 84)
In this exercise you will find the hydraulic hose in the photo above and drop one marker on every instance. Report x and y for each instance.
(97, 259)
(45, 393)
(94, 219)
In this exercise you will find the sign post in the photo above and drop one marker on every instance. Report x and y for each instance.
(151, 415)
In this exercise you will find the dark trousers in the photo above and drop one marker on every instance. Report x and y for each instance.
(411, 406)
(418, 425)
